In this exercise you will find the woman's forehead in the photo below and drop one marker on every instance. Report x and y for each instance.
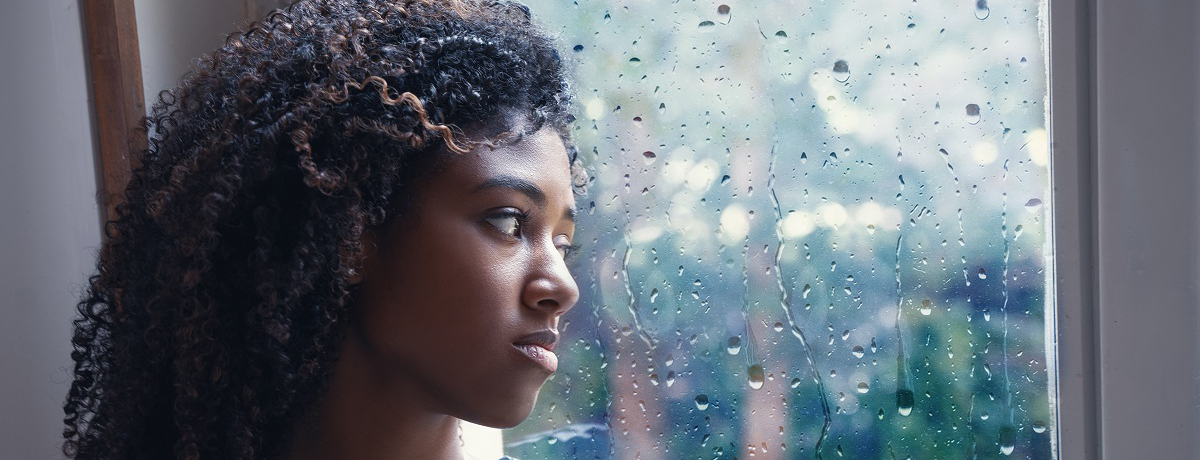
(540, 157)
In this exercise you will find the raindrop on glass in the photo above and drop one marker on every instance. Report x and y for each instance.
(926, 307)
(755, 376)
(863, 387)
(904, 401)
(982, 274)
(841, 70)
(778, 326)
(649, 157)
(653, 295)
(578, 48)
(1008, 439)
(702, 401)
(723, 10)
(973, 116)
(706, 26)
(981, 9)
(1033, 205)
(1039, 426)
(795, 382)
(733, 345)
(857, 351)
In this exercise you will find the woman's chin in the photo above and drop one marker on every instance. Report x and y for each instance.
(505, 415)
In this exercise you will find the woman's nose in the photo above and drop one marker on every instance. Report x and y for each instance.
(550, 287)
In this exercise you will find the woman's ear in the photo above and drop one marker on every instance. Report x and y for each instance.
(366, 249)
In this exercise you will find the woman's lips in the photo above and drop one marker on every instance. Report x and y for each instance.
(540, 355)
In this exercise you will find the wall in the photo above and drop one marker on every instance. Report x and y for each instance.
(49, 223)
(172, 34)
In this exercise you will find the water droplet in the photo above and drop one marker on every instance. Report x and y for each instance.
(881, 413)
(857, 351)
(841, 70)
(607, 18)
(781, 34)
(863, 387)
(904, 401)
(778, 326)
(734, 345)
(755, 376)
(973, 116)
(926, 307)
(1039, 426)
(1017, 231)
(653, 295)
(706, 26)
(654, 379)
(833, 373)
(982, 274)
(795, 382)
(578, 48)
(702, 401)
(649, 157)
(804, 292)
(723, 10)
(871, 229)
(1008, 439)
(1033, 205)
(670, 378)
(981, 9)
(725, 179)
(635, 61)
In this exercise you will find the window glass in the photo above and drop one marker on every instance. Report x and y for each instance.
(813, 229)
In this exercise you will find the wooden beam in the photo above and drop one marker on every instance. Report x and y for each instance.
(118, 103)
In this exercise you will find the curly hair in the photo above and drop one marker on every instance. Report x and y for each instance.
(212, 322)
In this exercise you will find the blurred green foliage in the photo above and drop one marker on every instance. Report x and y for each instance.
(848, 194)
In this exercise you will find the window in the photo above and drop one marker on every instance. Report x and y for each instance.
(812, 230)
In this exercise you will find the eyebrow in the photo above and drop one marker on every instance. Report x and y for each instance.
(523, 186)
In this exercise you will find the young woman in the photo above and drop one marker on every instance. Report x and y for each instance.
(347, 234)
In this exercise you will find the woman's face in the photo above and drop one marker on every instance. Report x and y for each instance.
(459, 303)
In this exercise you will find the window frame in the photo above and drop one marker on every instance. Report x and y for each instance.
(1108, 348)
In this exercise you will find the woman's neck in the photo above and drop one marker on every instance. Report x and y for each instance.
(365, 416)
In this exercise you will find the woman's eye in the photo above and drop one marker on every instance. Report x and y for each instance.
(509, 225)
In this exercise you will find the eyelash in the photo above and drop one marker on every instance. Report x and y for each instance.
(522, 218)
(569, 252)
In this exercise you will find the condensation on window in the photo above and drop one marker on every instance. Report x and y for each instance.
(813, 230)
